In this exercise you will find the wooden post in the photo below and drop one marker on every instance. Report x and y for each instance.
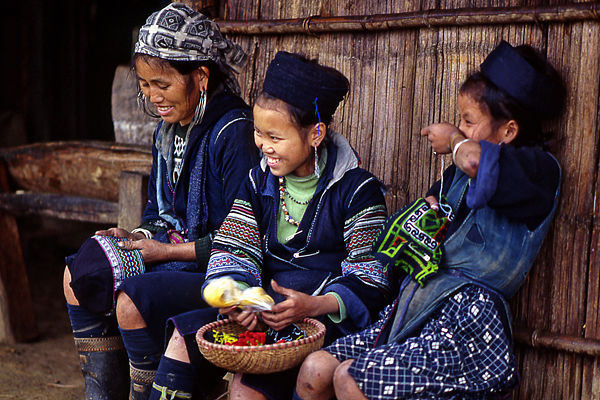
(17, 319)
(132, 199)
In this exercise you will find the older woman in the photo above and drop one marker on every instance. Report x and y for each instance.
(202, 150)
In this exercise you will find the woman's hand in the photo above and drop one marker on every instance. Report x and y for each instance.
(441, 136)
(152, 250)
(246, 318)
(296, 307)
(433, 202)
(120, 232)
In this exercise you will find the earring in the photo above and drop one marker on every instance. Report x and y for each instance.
(317, 172)
(200, 108)
(142, 102)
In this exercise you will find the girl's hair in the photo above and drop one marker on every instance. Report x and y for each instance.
(185, 68)
(301, 117)
(503, 107)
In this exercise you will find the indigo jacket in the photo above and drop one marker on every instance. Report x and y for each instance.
(331, 251)
(219, 153)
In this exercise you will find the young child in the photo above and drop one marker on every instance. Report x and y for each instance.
(302, 227)
(451, 338)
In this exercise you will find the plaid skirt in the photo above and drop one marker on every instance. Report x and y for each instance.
(461, 353)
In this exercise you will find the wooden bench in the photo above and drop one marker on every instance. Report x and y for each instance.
(100, 182)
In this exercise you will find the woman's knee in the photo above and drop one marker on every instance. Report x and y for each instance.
(68, 291)
(128, 315)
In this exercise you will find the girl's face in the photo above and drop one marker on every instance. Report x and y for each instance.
(167, 90)
(286, 147)
(477, 123)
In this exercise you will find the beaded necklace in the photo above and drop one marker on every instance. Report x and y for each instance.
(286, 213)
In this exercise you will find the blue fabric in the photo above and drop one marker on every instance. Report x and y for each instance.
(499, 258)
(174, 375)
(462, 352)
(317, 253)
(200, 200)
(484, 185)
(142, 351)
(86, 324)
(160, 295)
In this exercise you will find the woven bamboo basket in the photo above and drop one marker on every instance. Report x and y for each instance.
(260, 359)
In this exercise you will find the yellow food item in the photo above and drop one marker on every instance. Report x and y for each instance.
(256, 296)
(222, 292)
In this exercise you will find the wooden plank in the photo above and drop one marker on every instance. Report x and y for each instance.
(74, 208)
(132, 199)
(17, 319)
(88, 169)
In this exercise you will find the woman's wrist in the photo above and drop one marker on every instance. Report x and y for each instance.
(454, 138)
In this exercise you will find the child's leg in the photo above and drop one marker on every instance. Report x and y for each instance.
(239, 391)
(315, 380)
(345, 385)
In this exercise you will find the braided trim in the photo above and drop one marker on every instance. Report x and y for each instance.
(173, 394)
(142, 376)
(110, 343)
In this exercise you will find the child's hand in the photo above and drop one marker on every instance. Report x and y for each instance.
(246, 318)
(440, 136)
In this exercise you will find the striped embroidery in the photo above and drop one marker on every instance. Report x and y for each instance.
(237, 246)
(360, 233)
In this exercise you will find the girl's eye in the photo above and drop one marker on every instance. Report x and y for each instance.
(162, 86)
(275, 139)
(143, 84)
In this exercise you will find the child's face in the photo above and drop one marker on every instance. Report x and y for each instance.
(281, 141)
(476, 122)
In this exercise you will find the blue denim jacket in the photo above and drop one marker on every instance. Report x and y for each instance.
(487, 249)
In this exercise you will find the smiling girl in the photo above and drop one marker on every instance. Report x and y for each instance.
(451, 338)
(302, 227)
(202, 150)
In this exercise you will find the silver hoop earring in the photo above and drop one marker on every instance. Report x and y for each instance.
(317, 172)
(142, 102)
(200, 108)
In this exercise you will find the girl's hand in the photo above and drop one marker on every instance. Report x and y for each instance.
(152, 250)
(296, 307)
(433, 202)
(246, 318)
(120, 232)
(441, 136)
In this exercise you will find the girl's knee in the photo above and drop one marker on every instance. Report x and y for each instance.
(317, 364)
(344, 384)
(128, 315)
(176, 348)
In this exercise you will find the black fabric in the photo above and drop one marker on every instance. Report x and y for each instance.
(506, 69)
(160, 295)
(301, 83)
(91, 277)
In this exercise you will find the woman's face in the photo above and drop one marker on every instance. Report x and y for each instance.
(167, 90)
(282, 142)
(476, 122)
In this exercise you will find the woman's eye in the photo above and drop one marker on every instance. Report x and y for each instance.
(162, 86)
(257, 133)
(275, 139)
(143, 84)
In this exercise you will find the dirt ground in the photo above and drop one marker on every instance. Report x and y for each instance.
(48, 367)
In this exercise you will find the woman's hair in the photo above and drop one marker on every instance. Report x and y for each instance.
(185, 68)
(503, 107)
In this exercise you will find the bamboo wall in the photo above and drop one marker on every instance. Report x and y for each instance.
(405, 78)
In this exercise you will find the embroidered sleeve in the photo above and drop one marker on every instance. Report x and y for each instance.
(237, 245)
(360, 233)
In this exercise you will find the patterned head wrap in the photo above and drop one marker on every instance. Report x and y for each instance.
(178, 33)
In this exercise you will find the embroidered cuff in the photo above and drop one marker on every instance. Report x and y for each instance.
(484, 185)
(341, 315)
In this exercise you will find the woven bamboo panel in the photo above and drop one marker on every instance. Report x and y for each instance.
(404, 79)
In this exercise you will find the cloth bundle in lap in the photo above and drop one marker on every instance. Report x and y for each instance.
(98, 269)
(411, 240)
